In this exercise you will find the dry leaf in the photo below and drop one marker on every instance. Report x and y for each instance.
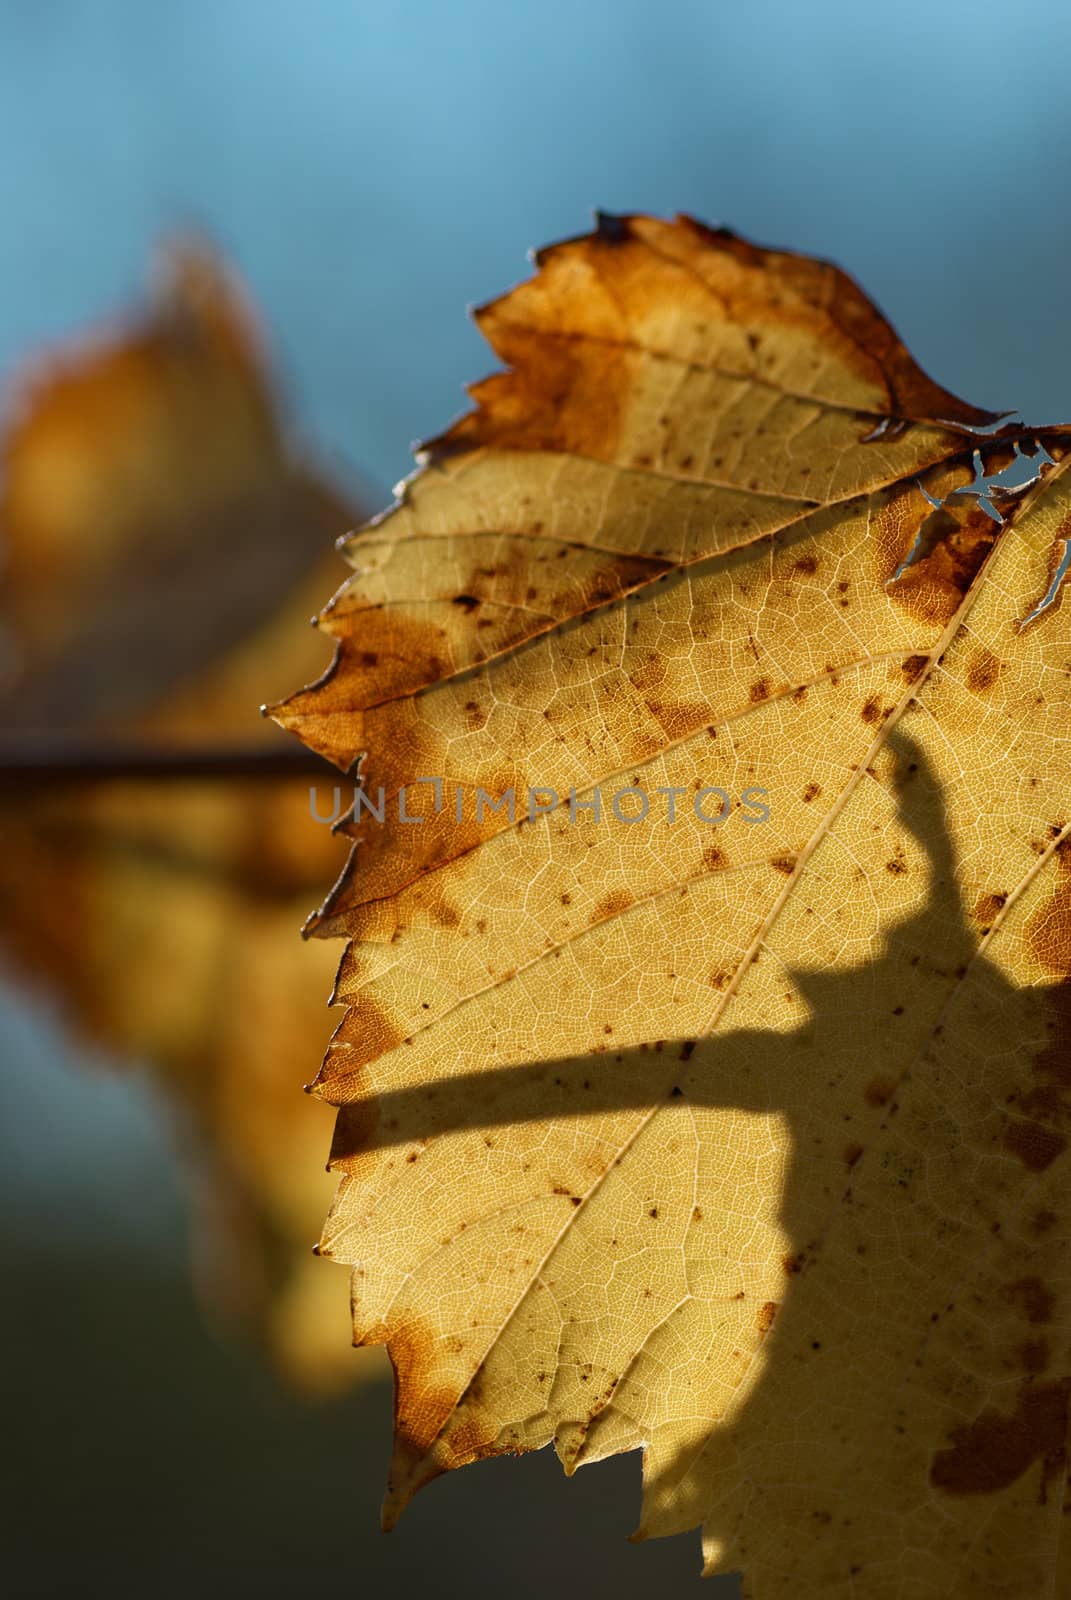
(165, 544)
(741, 1141)
(143, 469)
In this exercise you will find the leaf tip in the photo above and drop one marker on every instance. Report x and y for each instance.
(613, 227)
(394, 1503)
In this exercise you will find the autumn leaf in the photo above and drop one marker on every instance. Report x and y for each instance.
(143, 472)
(740, 1138)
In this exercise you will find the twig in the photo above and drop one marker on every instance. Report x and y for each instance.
(45, 760)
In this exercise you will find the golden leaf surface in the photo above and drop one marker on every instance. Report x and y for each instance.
(164, 544)
(742, 1141)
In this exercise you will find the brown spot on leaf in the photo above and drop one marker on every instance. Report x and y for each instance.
(1033, 1356)
(612, 905)
(879, 1091)
(366, 1032)
(1036, 1146)
(445, 914)
(1036, 1302)
(425, 1398)
(987, 909)
(677, 721)
(557, 394)
(765, 1318)
(995, 1449)
(983, 671)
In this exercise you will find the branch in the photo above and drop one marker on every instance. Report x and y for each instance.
(42, 761)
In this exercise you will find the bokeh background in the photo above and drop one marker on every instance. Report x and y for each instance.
(371, 167)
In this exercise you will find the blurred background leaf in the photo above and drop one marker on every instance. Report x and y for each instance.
(152, 503)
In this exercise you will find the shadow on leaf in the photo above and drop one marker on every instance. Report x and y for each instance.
(907, 1389)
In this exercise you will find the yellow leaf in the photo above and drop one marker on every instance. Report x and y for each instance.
(740, 1137)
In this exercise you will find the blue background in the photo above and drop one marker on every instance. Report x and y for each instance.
(374, 167)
